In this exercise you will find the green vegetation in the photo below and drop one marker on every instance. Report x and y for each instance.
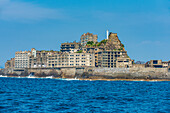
(121, 48)
(99, 44)
(90, 42)
(102, 42)
(79, 51)
(123, 45)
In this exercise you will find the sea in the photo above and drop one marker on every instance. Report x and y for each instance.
(36, 95)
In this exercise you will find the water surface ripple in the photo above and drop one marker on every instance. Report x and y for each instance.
(51, 95)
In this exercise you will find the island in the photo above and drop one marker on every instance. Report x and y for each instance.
(88, 59)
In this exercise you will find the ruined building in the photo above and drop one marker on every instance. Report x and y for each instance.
(113, 43)
(37, 59)
(113, 54)
(9, 65)
(56, 59)
(88, 37)
(109, 53)
(70, 46)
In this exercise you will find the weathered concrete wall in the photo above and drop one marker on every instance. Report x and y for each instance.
(41, 70)
(138, 65)
(131, 72)
(103, 72)
(64, 72)
(80, 71)
(68, 72)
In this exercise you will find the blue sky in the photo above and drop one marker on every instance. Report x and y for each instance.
(142, 25)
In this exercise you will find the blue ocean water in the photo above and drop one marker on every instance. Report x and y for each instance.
(51, 95)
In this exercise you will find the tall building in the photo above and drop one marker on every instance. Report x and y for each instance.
(113, 42)
(112, 59)
(37, 59)
(113, 54)
(56, 59)
(22, 59)
(88, 37)
(69, 46)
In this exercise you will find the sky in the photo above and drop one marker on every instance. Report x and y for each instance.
(143, 26)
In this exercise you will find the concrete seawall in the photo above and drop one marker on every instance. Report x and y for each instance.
(100, 73)
(130, 72)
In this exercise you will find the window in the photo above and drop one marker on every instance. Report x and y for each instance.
(155, 62)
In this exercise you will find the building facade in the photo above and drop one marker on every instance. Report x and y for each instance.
(68, 47)
(22, 59)
(112, 59)
(88, 37)
(38, 59)
(112, 54)
(113, 43)
(70, 60)
(155, 63)
(109, 53)
(158, 64)
(10, 65)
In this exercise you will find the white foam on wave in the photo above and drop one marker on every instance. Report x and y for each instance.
(49, 77)
(69, 79)
(31, 77)
(2, 76)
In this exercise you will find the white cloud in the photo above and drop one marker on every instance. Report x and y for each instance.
(25, 11)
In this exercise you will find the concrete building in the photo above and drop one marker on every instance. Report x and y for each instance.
(122, 62)
(37, 59)
(88, 37)
(69, 46)
(30, 59)
(9, 65)
(155, 63)
(70, 60)
(112, 54)
(112, 59)
(113, 43)
(22, 59)
(158, 64)
(165, 64)
(109, 53)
